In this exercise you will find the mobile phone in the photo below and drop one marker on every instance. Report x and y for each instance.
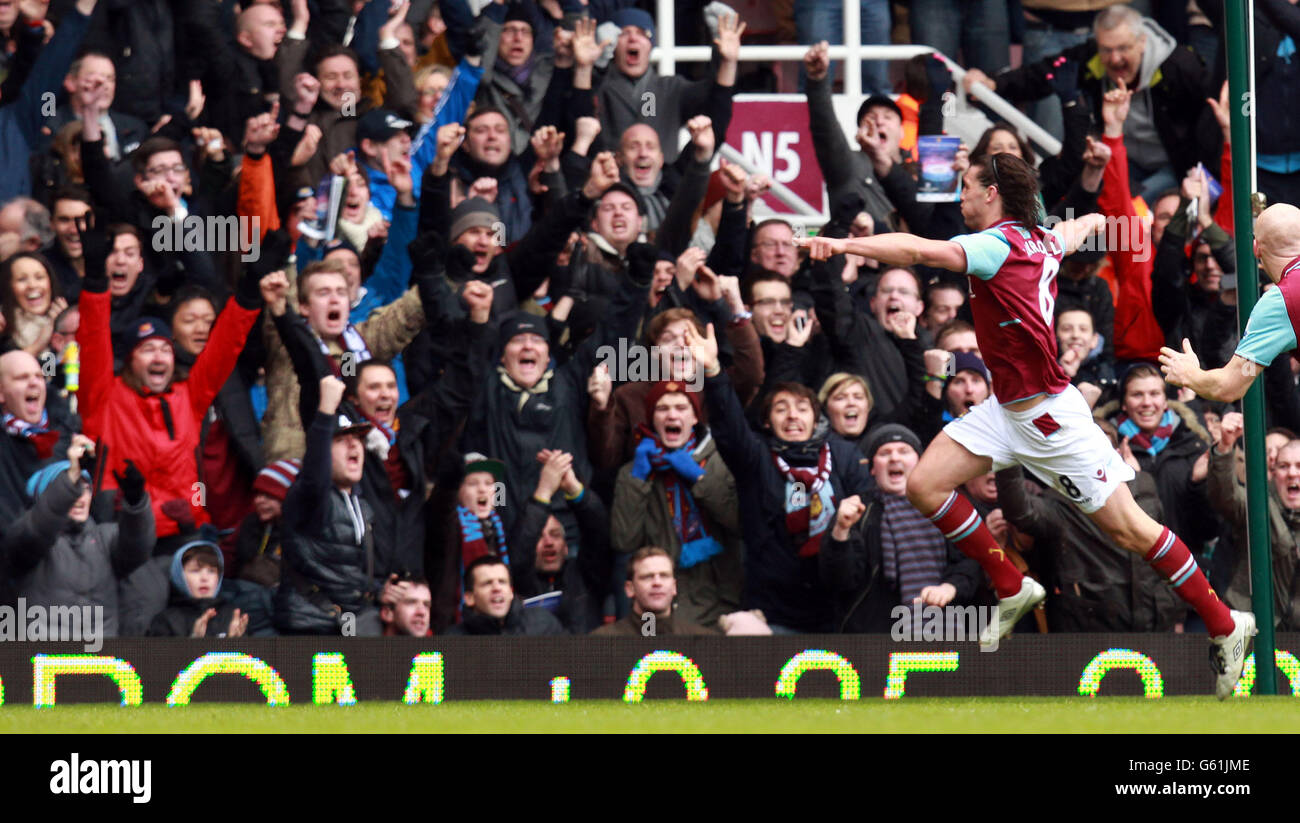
(799, 322)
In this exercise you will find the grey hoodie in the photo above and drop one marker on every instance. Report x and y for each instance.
(1140, 136)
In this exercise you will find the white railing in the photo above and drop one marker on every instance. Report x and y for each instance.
(667, 54)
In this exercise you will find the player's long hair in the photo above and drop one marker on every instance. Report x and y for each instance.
(1017, 184)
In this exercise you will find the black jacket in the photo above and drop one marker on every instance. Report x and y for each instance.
(583, 580)
(427, 421)
(325, 571)
(519, 621)
(502, 426)
(1187, 311)
(140, 35)
(1182, 119)
(788, 588)
(20, 457)
(854, 570)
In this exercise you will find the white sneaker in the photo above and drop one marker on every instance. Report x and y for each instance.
(1228, 653)
(1011, 609)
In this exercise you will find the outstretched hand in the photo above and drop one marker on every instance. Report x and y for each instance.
(822, 248)
(1179, 367)
(704, 348)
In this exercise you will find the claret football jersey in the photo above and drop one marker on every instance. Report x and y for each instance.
(1013, 296)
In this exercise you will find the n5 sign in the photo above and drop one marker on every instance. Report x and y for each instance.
(772, 133)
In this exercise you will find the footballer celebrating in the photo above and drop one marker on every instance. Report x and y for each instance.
(1035, 417)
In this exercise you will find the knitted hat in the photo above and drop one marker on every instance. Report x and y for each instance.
(41, 480)
(662, 387)
(275, 479)
(891, 433)
(969, 361)
(472, 213)
(522, 323)
(516, 12)
(636, 17)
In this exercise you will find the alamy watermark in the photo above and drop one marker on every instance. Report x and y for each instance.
(37, 622)
(638, 363)
(209, 234)
(947, 624)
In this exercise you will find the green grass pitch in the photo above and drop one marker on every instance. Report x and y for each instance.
(909, 715)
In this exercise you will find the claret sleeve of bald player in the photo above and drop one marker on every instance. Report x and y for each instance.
(1269, 331)
(986, 251)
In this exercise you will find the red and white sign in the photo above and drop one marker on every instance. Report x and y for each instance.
(771, 131)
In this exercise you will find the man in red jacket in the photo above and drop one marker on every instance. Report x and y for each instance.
(1138, 336)
(147, 416)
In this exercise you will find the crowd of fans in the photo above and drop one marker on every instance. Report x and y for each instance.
(554, 368)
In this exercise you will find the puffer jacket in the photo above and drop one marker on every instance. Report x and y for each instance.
(1187, 509)
(326, 570)
(641, 517)
(1229, 499)
(159, 432)
(63, 563)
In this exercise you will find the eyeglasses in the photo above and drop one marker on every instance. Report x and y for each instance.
(779, 244)
(164, 171)
(769, 302)
(1123, 50)
(517, 30)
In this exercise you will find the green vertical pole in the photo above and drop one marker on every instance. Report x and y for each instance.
(1261, 568)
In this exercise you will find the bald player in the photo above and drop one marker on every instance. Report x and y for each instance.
(1271, 329)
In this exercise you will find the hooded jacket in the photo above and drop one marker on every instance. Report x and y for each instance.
(183, 609)
(328, 563)
(1170, 99)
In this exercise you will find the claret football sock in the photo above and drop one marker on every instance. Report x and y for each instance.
(961, 524)
(1171, 558)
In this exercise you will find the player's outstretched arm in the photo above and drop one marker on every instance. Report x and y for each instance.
(1224, 385)
(1077, 231)
(893, 249)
